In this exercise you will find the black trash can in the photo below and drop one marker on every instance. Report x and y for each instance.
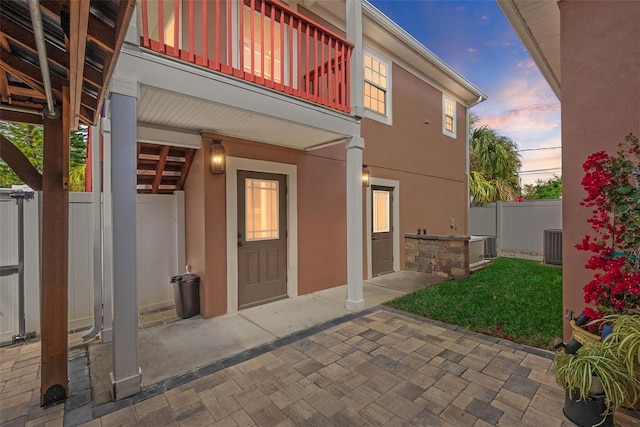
(186, 292)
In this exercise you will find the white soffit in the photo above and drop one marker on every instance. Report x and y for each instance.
(165, 109)
(537, 23)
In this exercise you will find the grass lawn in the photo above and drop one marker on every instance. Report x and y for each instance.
(511, 298)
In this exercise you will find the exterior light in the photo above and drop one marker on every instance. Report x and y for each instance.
(366, 176)
(218, 158)
(636, 175)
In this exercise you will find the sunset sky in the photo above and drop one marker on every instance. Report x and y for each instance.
(476, 40)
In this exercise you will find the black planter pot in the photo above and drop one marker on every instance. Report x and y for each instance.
(586, 412)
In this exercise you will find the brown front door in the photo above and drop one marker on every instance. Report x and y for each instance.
(382, 232)
(262, 238)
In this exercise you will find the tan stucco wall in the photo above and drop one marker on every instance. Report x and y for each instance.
(321, 218)
(430, 166)
(600, 105)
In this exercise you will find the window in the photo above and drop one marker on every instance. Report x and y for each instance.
(381, 211)
(375, 84)
(448, 116)
(261, 209)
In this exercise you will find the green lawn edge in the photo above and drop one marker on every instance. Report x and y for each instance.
(516, 299)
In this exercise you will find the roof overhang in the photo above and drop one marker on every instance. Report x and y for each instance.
(537, 23)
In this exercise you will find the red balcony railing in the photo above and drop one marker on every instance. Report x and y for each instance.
(261, 41)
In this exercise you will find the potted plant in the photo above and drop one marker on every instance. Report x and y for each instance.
(595, 381)
(601, 374)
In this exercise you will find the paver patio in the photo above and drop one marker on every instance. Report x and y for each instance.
(383, 367)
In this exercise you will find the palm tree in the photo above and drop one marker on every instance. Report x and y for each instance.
(493, 164)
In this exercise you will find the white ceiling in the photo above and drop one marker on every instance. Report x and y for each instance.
(170, 110)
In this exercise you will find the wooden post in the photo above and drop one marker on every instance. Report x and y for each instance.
(55, 241)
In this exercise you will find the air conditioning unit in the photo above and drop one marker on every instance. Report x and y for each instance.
(552, 251)
(490, 247)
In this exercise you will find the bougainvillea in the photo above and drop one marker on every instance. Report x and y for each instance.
(612, 192)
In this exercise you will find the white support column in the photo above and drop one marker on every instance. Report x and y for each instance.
(107, 235)
(126, 377)
(96, 219)
(355, 294)
(181, 251)
(354, 35)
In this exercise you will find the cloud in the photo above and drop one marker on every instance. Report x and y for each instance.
(460, 8)
(526, 64)
(471, 50)
(528, 117)
(484, 18)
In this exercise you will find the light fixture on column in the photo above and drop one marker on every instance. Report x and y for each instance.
(366, 176)
(218, 159)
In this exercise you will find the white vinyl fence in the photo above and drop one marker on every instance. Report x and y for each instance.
(160, 255)
(518, 226)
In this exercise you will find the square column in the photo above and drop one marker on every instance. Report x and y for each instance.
(126, 376)
(355, 294)
(354, 35)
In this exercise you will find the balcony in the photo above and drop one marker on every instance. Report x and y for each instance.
(260, 41)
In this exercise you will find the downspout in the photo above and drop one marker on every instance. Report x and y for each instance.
(468, 171)
(38, 32)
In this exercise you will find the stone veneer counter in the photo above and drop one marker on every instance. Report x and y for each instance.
(437, 254)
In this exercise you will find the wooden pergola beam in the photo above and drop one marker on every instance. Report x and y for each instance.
(28, 73)
(25, 91)
(54, 379)
(77, 49)
(98, 32)
(17, 161)
(4, 80)
(25, 39)
(15, 116)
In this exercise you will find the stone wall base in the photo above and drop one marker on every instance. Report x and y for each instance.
(446, 256)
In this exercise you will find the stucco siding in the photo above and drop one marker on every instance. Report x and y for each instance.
(600, 105)
(430, 166)
(321, 205)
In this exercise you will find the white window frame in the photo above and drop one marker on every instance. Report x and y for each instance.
(445, 100)
(375, 211)
(387, 117)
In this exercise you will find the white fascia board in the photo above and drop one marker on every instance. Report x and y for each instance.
(520, 26)
(398, 32)
(154, 135)
(173, 75)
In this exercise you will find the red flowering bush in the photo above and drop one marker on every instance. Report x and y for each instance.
(610, 183)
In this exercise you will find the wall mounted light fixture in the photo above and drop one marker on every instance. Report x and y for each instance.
(217, 159)
(366, 176)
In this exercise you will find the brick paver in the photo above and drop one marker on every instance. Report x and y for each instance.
(384, 368)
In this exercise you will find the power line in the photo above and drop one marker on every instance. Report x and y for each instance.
(538, 171)
(537, 149)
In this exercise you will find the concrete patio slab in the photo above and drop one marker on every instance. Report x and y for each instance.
(168, 350)
(284, 317)
(406, 281)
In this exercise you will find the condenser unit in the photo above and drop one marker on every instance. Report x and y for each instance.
(490, 247)
(552, 251)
